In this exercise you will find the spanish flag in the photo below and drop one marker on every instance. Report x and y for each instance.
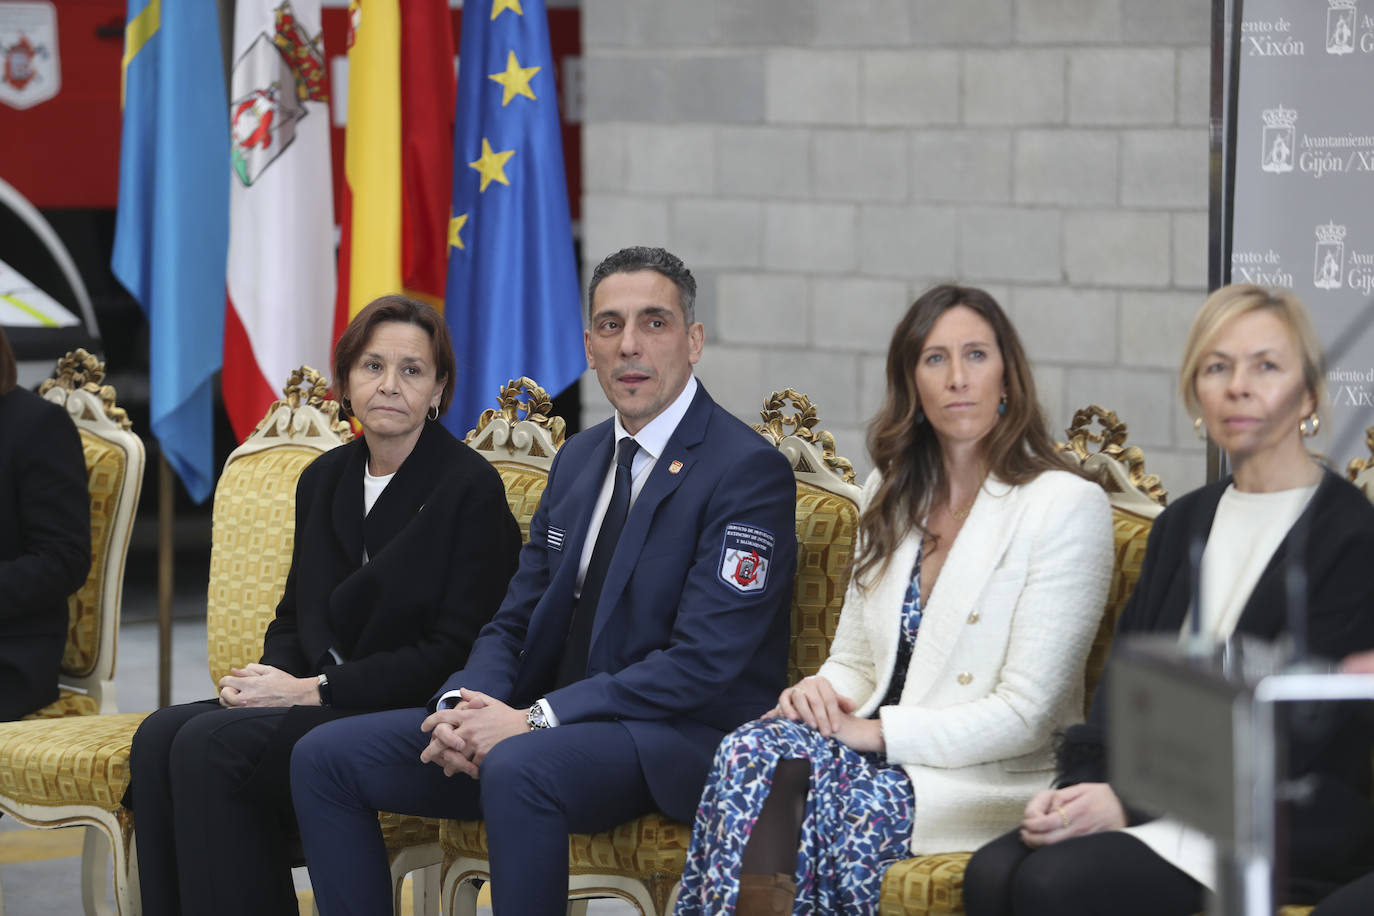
(398, 151)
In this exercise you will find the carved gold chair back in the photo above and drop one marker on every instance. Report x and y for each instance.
(115, 459)
(519, 437)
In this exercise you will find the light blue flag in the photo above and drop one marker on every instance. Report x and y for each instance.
(511, 301)
(172, 222)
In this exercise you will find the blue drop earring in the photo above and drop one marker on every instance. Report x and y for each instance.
(920, 416)
(1002, 407)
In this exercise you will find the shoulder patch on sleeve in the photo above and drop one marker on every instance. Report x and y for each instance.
(745, 557)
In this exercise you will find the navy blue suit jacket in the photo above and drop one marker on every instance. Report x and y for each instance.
(685, 644)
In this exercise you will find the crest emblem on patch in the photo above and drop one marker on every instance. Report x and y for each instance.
(745, 557)
(30, 71)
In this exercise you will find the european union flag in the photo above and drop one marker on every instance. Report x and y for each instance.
(172, 223)
(512, 301)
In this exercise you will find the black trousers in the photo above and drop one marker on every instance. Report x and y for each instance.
(1355, 899)
(1104, 874)
(213, 827)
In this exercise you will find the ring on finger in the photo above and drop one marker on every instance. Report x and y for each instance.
(1063, 816)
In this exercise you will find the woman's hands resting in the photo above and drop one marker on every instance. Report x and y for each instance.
(1059, 814)
(814, 702)
(264, 685)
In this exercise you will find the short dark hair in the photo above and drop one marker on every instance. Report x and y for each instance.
(9, 369)
(407, 311)
(659, 260)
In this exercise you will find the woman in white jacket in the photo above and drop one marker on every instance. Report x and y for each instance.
(975, 537)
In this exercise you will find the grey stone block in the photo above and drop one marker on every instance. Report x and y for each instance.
(910, 88)
(1117, 248)
(1176, 22)
(819, 238)
(769, 23)
(1154, 327)
(734, 376)
(625, 89)
(1121, 86)
(945, 23)
(1164, 168)
(717, 233)
(1013, 87)
(763, 309)
(1191, 234)
(720, 88)
(812, 87)
(603, 157)
(1062, 325)
(854, 313)
(1005, 243)
(635, 24)
(859, 165)
(1194, 88)
(861, 23)
(764, 161)
(1068, 21)
(669, 159)
(965, 166)
(908, 241)
(610, 222)
(1069, 167)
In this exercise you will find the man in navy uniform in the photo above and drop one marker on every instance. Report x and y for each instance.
(649, 617)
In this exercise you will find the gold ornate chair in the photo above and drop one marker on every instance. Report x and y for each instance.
(1360, 471)
(60, 772)
(641, 861)
(115, 458)
(934, 885)
(114, 467)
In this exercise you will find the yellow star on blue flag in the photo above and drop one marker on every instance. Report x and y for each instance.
(512, 301)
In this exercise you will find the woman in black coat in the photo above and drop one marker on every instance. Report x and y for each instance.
(45, 540)
(1253, 369)
(404, 545)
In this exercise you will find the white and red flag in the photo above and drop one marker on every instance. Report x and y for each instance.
(281, 271)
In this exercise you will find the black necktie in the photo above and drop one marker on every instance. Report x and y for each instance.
(573, 666)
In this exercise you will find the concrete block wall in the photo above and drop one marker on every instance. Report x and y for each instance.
(819, 163)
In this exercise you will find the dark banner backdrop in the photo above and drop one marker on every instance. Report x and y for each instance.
(1304, 185)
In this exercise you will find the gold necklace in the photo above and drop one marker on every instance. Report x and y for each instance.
(961, 514)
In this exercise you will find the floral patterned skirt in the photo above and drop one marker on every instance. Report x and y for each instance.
(858, 821)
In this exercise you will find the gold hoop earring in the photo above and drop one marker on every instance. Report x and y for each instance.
(1199, 430)
(1307, 431)
(435, 409)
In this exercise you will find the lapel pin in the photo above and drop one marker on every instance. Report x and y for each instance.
(674, 467)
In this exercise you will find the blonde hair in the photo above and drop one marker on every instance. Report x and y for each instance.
(1237, 299)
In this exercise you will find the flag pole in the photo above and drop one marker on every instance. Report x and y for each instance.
(166, 516)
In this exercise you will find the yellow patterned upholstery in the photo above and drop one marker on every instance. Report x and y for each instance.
(826, 527)
(68, 703)
(524, 485)
(641, 861)
(105, 465)
(56, 762)
(253, 530)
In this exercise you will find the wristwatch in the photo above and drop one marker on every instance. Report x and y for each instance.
(536, 718)
(326, 692)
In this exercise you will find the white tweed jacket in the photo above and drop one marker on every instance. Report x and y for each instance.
(998, 664)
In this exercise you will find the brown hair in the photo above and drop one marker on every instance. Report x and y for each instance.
(407, 311)
(906, 452)
(9, 369)
(1234, 300)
